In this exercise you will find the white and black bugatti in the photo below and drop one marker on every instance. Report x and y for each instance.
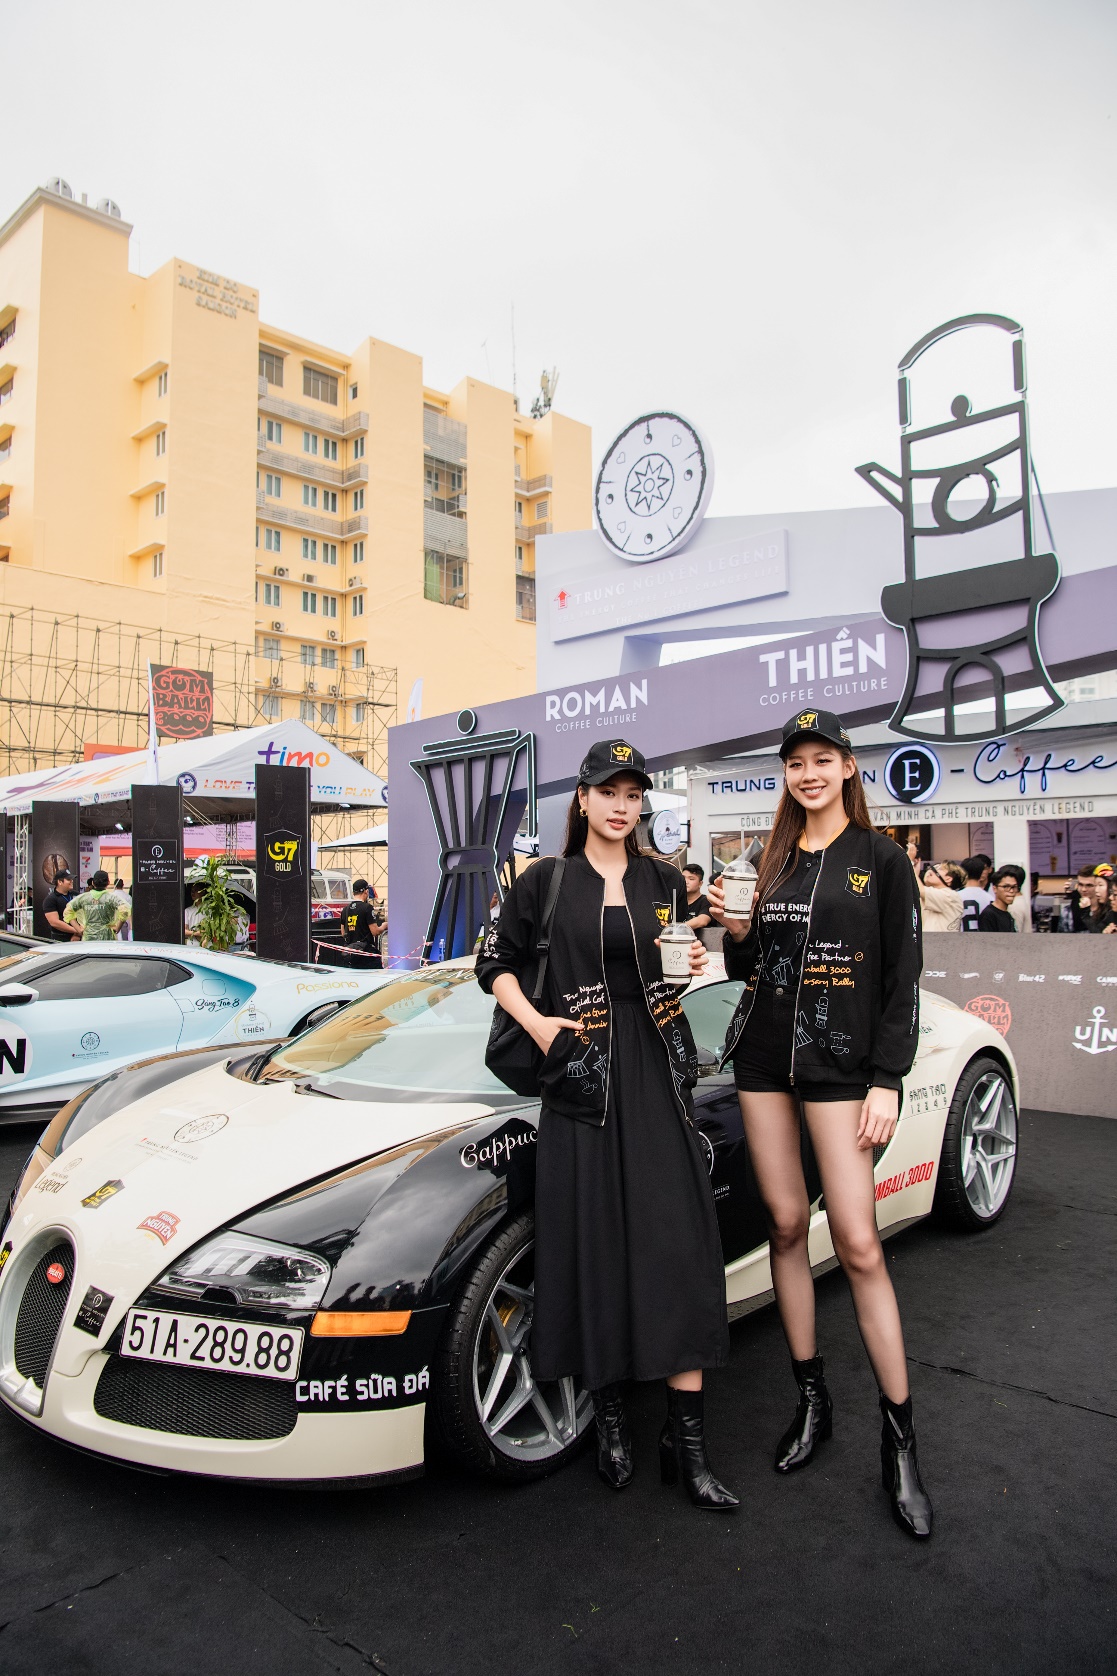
(296, 1263)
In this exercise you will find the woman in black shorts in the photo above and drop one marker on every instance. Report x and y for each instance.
(829, 1017)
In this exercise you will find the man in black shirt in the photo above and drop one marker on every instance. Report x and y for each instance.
(996, 916)
(360, 924)
(55, 905)
(696, 909)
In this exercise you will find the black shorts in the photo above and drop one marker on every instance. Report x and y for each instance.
(762, 1062)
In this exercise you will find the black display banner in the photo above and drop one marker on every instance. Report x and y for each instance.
(157, 914)
(282, 862)
(54, 846)
(5, 882)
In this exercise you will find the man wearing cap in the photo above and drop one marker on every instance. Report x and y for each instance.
(55, 905)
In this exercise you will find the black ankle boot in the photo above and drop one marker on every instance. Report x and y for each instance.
(682, 1449)
(814, 1417)
(899, 1469)
(614, 1440)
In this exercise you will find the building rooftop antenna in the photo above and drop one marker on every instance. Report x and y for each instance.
(548, 384)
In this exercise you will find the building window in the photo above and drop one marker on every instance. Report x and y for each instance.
(357, 554)
(7, 333)
(358, 657)
(160, 502)
(358, 450)
(274, 431)
(352, 387)
(7, 390)
(271, 649)
(308, 711)
(329, 500)
(5, 446)
(525, 599)
(310, 603)
(329, 448)
(357, 609)
(160, 444)
(308, 655)
(445, 578)
(542, 510)
(358, 714)
(519, 559)
(271, 368)
(310, 443)
(269, 707)
(319, 386)
(310, 549)
(329, 657)
(271, 593)
(310, 494)
(329, 552)
(5, 505)
(358, 500)
(329, 605)
(162, 383)
(157, 563)
(273, 485)
(519, 512)
(272, 541)
(328, 713)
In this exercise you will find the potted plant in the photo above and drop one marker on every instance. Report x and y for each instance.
(214, 921)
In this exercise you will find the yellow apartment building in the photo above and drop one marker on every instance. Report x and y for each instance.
(334, 528)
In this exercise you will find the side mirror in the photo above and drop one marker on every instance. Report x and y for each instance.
(17, 995)
(707, 1062)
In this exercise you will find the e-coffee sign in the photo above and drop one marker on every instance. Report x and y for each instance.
(182, 701)
(156, 862)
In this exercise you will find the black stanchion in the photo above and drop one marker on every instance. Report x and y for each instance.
(157, 915)
(282, 862)
(54, 846)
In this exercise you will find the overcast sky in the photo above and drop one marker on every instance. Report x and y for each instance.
(745, 211)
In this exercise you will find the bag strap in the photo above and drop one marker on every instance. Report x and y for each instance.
(544, 944)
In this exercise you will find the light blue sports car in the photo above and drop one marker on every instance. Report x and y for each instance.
(69, 1014)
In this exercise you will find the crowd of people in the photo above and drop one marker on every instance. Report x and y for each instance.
(972, 895)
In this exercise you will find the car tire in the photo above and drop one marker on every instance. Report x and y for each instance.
(977, 1166)
(489, 1414)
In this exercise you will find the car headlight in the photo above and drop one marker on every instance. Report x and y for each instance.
(237, 1268)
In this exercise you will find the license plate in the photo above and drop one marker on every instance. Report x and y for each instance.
(196, 1341)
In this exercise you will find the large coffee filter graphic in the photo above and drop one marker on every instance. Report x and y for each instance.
(973, 582)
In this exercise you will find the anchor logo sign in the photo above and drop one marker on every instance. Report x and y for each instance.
(1098, 1037)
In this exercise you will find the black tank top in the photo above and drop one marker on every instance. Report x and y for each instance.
(622, 975)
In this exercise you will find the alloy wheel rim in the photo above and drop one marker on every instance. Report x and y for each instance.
(523, 1419)
(988, 1151)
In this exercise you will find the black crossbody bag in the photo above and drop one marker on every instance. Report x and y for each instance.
(511, 1054)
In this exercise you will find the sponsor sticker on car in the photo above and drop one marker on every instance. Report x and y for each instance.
(106, 1191)
(195, 1341)
(162, 1226)
(92, 1311)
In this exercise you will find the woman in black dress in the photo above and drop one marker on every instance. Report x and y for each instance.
(629, 1277)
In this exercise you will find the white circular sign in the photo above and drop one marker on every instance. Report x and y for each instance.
(653, 488)
(665, 831)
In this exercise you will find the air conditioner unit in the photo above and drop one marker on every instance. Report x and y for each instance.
(331, 634)
(281, 570)
(279, 627)
(355, 582)
(308, 576)
(277, 680)
(312, 686)
(333, 691)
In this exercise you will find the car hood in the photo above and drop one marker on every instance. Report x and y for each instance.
(185, 1161)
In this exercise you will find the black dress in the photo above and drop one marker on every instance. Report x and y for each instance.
(629, 1276)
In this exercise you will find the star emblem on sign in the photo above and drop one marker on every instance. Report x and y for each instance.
(650, 484)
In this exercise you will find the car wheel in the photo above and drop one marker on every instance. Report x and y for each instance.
(978, 1162)
(491, 1414)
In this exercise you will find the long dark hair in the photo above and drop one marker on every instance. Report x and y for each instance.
(791, 818)
(577, 827)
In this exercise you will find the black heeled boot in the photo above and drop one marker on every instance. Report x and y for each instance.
(899, 1469)
(682, 1449)
(615, 1462)
(814, 1417)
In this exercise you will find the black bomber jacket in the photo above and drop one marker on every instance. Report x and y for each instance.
(575, 1075)
(857, 1012)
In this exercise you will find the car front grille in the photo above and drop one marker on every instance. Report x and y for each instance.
(194, 1403)
(40, 1313)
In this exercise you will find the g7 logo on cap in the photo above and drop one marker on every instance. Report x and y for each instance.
(807, 718)
(857, 882)
(621, 753)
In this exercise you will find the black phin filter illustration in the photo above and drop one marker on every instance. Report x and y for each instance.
(980, 615)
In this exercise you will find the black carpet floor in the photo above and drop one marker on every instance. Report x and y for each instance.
(1013, 1342)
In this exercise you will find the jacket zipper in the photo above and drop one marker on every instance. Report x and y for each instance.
(644, 989)
(803, 962)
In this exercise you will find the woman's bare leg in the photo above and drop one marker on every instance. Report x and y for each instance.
(772, 1131)
(847, 1183)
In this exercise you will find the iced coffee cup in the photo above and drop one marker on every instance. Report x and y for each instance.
(674, 950)
(738, 883)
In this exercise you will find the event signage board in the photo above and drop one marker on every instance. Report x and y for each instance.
(157, 905)
(282, 862)
(54, 846)
(1053, 999)
(181, 701)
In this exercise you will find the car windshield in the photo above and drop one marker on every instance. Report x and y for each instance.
(422, 1034)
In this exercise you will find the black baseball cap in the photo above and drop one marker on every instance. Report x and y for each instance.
(610, 757)
(814, 724)
(63, 873)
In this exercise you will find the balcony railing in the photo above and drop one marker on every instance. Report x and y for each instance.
(449, 535)
(305, 465)
(444, 438)
(528, 532)
(525, 599)
(339, 528)
(534, 485)
(274, 407)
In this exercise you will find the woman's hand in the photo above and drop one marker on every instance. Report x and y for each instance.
(737, 928)
(697, 955)
(544, 1032)
(879, 1116)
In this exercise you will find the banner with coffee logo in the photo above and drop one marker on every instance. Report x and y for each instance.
(181, 701)
(282, 862)
(54, 849)
(157, 909)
